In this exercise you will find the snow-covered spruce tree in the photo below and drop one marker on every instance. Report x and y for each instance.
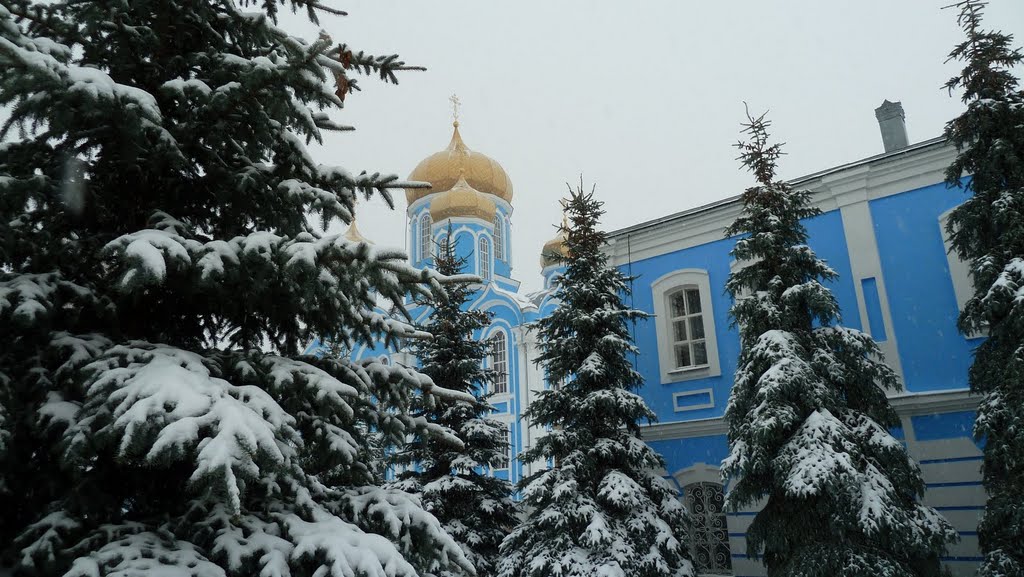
(158, 278)
(808, 415)
(601, 509)
(987, 231)
(454, 480)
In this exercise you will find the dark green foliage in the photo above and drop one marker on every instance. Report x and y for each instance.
(601, 509)
(158, 276)
(453, 474)
(987, 231)
(808, 415)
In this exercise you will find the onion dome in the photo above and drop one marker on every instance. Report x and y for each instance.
(554, 248)
(462, 200)
(443, 170)
(353, 234)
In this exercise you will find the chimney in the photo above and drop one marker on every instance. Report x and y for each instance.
(891, 121)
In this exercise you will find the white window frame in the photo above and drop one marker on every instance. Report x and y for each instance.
(499, 363)
(484, 258)
(663, 288)
(506, 437)
(426, 238)
(499, 237)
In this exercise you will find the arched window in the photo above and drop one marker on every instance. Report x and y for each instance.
(499, 237)
(443, 245)
(425, 248)
(709, 534)
(484, 253)
(499, 362)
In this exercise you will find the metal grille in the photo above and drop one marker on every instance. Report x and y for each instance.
(709, 537)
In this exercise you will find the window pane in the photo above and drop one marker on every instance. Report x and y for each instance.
(700, 353)
(697, 327)
(692, 301)
(678, 305)
(680, 330)
(683, 356)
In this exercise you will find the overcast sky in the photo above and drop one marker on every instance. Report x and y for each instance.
(643, 99)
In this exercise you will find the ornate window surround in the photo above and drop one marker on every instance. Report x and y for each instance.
(662, 289)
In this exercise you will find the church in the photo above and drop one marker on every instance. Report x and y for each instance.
(882, 228)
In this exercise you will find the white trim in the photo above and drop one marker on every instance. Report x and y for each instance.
(866, 262)
(914, 167)
(482, 259)
(427, 251)
(507, 360)
(959, 269)
(698, 473)
(911, 405)
(660, 289)
(685, 408)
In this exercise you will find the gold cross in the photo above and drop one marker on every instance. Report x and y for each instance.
(455, 106)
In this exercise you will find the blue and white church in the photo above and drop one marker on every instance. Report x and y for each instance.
(882, 228)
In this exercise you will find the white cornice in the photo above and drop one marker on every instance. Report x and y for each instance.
(911, 405)
(914, 167)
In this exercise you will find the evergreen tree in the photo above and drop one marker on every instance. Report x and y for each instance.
(808, 415)
(158, 278)
(987, 231)
(601, 508)
(474, 507)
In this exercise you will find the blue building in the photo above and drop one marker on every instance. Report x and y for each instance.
(881, 229)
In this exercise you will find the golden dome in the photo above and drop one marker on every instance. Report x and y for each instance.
(462, 200)
(353, 234)
(443, 169)
(552, 249)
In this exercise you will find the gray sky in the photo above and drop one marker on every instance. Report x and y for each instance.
(644, 98)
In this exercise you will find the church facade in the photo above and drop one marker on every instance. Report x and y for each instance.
(881, 229)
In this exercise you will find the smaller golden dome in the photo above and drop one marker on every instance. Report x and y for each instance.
(353, 234)
(462, 200)
(443, 169)
(553, 249)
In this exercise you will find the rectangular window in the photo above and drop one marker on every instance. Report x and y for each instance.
(502, 463)
(499, 362)
(687, 321)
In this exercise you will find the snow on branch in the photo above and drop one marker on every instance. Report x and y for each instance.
(166, 404)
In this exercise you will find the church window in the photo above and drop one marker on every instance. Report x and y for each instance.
(499, 362)
(425, 237)
(688, 343)
(503, 461)
(687, 348)
(499, 237)
(484, 251)
(709, 533)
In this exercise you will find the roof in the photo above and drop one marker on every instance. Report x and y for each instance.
(930, 143)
